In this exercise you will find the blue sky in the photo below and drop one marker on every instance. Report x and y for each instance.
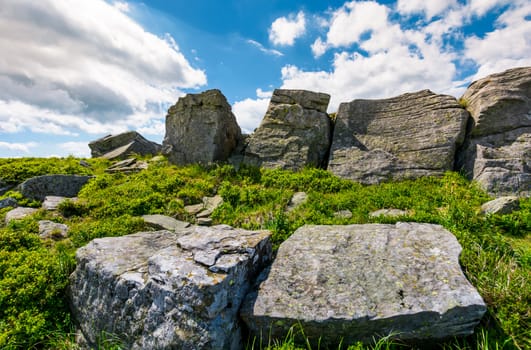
(72, 71)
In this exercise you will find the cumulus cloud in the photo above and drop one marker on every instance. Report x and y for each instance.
(430, 8)
(14, 146)
(62, 70)
(285, 30)
(250, 112)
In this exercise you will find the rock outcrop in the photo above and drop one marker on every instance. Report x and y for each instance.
(123, 145)
(166, 290)
(127, 166)
(294, 133)
(497, 151)
(357, 282)
(408, 136)
(19, 213)
(200, 128)
(53, 185)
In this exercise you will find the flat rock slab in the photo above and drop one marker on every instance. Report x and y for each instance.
(52, 202)
(165, 290)
(163, 222)
(502, 205)
(52, 230)
(357, 282)
(53, 185)
(19, 213)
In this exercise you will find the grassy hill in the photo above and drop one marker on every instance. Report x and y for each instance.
(34, 273)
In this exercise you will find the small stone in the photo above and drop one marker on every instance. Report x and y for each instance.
(194, 209)
(53, 230)
(19, 213)
(204, 221)
(298, 199)
(52, 202)
(343, 214)
(8, 202)
(389, 213)
(502, 205)
(163, 222)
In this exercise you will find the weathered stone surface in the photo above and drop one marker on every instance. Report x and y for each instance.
(497, 151)
(408, 136)
(200, 128)
(209, 205)
(343, 214)
(53, 185)
(19, 213)
(4, 186)
(294, 133)
(502, 205)
(130, 165)
(165, 290)
(298, 199)
(52, 202)
(356, 282)
(123, 145)
(388, 212)
(8, 202)
(52, 230)
(163, 222)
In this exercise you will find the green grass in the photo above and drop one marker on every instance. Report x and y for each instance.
(33, 273)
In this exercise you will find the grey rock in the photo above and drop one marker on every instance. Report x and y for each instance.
(200, 128)
(502, 205)
(123, 145)
(298, 199)
(165, 290)
(8, 202)
(497, 151)
(129, 165)
(52, 230)
(408, 136)
(163, 222)
(52, 202)
(356, 282)
(53, 185)
(19, 213)
(204, 221)
(343, 214)
(295, 132)
(194, 208)
(4, 187)
(388, 212)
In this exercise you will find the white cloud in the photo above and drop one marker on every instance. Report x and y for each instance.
(263, 49)
(76, 148)
(318, 47)
(250, 112)
(22, 147)
(507, 46)
(430, 8)
(481, 7)
(284, 30)
(62, 71)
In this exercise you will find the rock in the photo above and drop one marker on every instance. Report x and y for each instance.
(53, 185)
(123, 145)
(408, 136)
(204, 221)
(497, 151)
(4, 187)
(8, 202)
(165, 290)
(209, 205)
(294, 133)
(343, 214)
(356, 282)
(84, 163)
(298, 199)
(200, 128)
(502, 205)
(194, 208)
(163, 222)
(52, 202)
(53, 230)
(19, 213)
(388, 213)
(130, 165)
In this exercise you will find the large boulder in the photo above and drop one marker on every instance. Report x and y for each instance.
(200, 128)
(294, 133)
(497, 151)
(53, 185)
(123, 145)
(408, 136)
(167, 290)
(357, 282)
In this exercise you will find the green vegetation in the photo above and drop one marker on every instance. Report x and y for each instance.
(34, 273)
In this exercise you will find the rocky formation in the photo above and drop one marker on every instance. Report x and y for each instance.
(53, 185)
(163, 222)
(497, 152)
(122, 146)
(202, 211)
(502, 205)
(166, 290)
(129, 165)
(407, 136)
(355, 282)
(52, 230)
(200, 128)
(19, 213)
(294, 133)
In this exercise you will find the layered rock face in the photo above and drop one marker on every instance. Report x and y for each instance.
(167, 290)
(122, 146)
(200, 128)
(497, 152)
(357, 281)
(407, 136)
(294, 133)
